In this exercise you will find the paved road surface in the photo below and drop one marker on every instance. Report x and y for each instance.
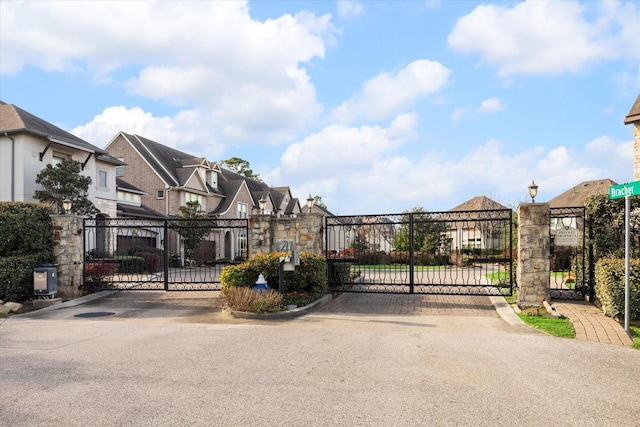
(329, 368)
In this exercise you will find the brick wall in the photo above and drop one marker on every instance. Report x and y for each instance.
(636, 151)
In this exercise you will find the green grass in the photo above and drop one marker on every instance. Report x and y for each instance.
(2, 315)
(497, 276)
(635, 333)
(558, 327)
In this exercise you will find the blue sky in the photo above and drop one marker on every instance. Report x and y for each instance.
(375, 106)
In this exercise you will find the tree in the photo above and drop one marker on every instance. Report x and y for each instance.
(63, 181)
(317, 201)
(192, 231)
(427, 233)
(242, 167)
(608, 228)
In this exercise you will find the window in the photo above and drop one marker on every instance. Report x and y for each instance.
(191, 197)
(243, 210)
(58, 158)
(119, 170)
(159, 194)
(103, 179)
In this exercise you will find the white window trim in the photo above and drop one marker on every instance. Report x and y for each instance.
(106, 183)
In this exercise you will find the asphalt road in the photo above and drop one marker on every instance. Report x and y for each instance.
(329, 368)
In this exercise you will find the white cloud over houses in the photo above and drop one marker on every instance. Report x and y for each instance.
(547, 37)
(388, 94)
(244, 77)
(348, 9)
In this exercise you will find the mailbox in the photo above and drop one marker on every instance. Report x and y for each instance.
(45, 280)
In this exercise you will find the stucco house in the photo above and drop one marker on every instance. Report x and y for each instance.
(170, 178)
(476, 231)
(28, 143)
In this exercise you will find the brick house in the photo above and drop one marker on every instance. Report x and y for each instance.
(170, 178)
(634, 118)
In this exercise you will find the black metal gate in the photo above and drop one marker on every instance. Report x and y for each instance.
(171, 254)
(571, 254)
(455, 252)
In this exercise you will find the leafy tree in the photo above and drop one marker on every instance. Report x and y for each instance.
(607, 219)
(63, 181)
(427, 233)
(317, 201)
(192, 231)
(359, 242)
(242, 167)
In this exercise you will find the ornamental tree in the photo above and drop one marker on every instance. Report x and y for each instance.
(63, 181)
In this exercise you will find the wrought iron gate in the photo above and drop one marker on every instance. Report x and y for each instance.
(172, 254)
(571, 254)
(463, 252)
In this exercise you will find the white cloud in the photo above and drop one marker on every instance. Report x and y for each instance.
(491, 105)
(386, 94)
(488, 106)
(211, 56)
(184, 128)
(348, 9)
(537, 37)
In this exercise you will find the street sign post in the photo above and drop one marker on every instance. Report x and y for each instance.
(617, 192)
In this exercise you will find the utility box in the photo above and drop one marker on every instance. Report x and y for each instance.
(45, 280)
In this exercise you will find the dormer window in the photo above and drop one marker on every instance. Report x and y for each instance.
(212, 179)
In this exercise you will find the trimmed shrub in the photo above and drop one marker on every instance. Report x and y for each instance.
(98, 271)
(26, 242)
(153, 262)
(305, 284)
(16, 276)
(610, 287)
(339, 272)
(130, 264)
(25, 229)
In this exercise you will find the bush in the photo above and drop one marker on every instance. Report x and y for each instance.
(252, 300)
(16, 276)
(339, 272)
(130, 264)
(610, 289)
(98, 271)
(153, 262)
(25, 229)
(26, 242)
(307, 282)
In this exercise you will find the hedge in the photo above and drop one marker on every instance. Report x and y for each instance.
(309, 276)
(16, 276)
(610, 288)
(26, 242)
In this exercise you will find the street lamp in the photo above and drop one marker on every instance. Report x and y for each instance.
(533, 191)
(66, 205)
(262, 203)
(309, 202)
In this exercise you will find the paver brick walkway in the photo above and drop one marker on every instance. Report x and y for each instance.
(592, 325)
(411, 304)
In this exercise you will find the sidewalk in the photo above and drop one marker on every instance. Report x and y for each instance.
(592, 325)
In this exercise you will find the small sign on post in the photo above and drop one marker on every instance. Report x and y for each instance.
(567, 236)
(617, 192)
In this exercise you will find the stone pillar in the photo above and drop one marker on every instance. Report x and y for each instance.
(533, 254)
(68, 250)
(636, 151)
(260, 235)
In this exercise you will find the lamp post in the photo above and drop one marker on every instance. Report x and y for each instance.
(262, 203)
(66, 205)
(309, 202)
(533, 191)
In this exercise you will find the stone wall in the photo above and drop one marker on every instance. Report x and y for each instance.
(533, 253)
(68, 249)
(304, 233)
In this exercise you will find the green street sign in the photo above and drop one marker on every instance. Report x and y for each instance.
(622, 190)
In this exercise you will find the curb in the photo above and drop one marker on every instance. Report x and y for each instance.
(67, 304)
(505, 311)
(296, 312)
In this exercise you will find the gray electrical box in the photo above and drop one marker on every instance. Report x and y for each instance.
(45, 280)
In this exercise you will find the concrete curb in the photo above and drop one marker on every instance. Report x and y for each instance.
(67, 304)
(284, 314)
(505, 311)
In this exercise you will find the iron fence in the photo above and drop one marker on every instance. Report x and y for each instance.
(463, 252)
(171, 254)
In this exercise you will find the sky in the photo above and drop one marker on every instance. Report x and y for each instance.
(375, 106)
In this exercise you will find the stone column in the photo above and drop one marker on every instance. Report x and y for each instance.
(68, 250)
(305, 232)
(533, 254)
(260, 235)
(636, 151)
